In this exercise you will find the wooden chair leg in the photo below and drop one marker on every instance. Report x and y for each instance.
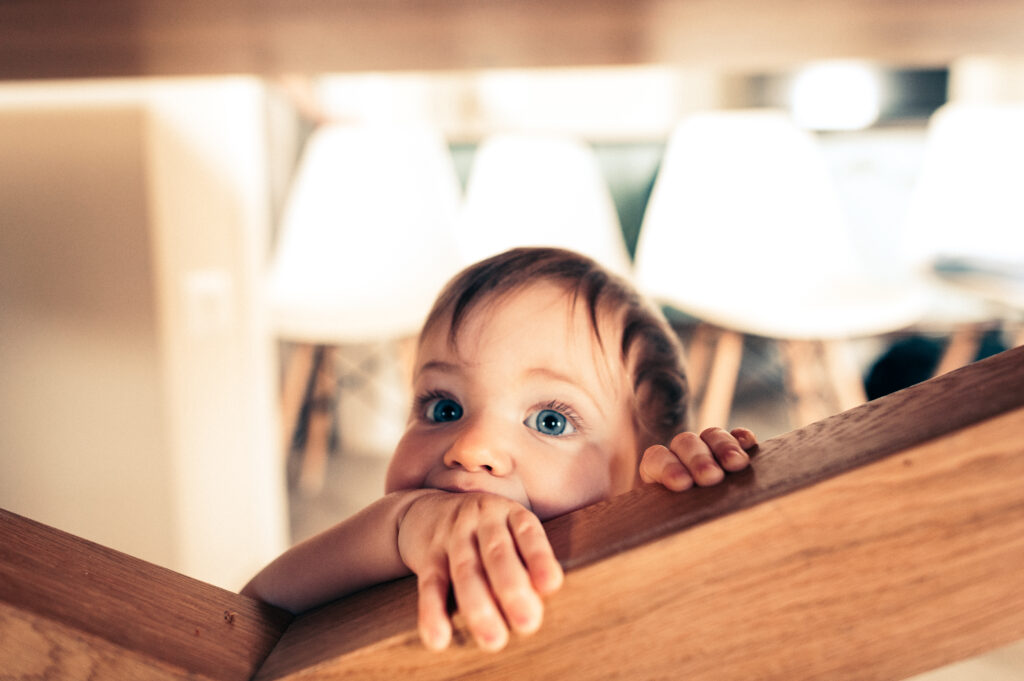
(802, 368)
(1017, 334)
(847, 383)
(962, 348)
(699, 351)
(313, 469)
(298, 372)
(725, 369)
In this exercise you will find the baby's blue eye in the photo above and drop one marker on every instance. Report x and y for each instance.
(550, 422)
(443, 410)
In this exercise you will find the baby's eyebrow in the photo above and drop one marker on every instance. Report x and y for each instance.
(437, 365)
(555, 375)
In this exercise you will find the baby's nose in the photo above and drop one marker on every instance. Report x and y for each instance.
(479, 449)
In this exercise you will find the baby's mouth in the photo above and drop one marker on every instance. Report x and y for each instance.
(463, 489)
(468, 488)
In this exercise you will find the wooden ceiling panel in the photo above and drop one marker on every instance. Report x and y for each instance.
(68, 39)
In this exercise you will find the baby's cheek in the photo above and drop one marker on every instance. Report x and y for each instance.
(404, 472)
(393, 481)
(580, 484)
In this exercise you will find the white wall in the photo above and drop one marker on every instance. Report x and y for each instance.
(137, 374)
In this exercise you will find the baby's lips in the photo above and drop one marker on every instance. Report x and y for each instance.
(470, 483)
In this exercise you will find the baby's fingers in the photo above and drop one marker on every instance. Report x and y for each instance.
(695, 454)
(472, 591)
(662, 466)
(508, 577)
(728, 448)
(434, 626)
(535, 549)
(745, 438)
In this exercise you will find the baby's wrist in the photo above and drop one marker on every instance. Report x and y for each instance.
(405, 500)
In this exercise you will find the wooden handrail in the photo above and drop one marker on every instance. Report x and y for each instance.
(881, 542)
(874, 544)
(71, 609)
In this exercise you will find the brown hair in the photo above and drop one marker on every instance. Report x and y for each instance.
(658, 378)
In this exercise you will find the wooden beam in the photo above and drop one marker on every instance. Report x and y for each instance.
(887, 538)
(71, 609)
(71, 39)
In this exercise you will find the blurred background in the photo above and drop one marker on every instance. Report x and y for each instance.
(221, 224)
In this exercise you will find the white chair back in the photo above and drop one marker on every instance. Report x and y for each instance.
(539, 190)
(745, 229)
(367, 236)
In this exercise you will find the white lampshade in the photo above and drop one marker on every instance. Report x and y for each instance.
(366, 241)
(745, 230)
(539, 190)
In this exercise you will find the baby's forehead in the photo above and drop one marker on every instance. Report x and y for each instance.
(591, 328)
(598, 318)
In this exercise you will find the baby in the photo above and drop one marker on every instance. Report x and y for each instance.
(539, 380)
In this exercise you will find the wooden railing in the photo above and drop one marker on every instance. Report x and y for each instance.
(875, 544)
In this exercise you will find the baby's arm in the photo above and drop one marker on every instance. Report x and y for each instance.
(492, 551)
(357, 552)
(701, 459)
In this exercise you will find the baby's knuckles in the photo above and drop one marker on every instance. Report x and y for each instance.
(523, 521)
(467, 531)
(686, 442)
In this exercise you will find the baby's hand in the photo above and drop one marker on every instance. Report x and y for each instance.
(690, 458)
(495, 555)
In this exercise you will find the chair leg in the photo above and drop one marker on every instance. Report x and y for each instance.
(962, 348)
(725, 368)
(298, 372)
(313, 469)
(847, 383)
(802, 367)
(1017, 334)
(699, 350)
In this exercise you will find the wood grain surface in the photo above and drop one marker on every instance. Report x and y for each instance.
(71, 609)
(72, 39)
(874, 544)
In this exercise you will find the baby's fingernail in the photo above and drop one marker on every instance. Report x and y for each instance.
(710, 474)
(549, 582)
(492, 638)
(526, 616)
(679, 479)
(736, 456)
(434, 639)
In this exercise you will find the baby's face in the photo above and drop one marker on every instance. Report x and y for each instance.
(527, 406)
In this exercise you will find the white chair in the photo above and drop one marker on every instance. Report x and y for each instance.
(745, 232)
(539, 190)
(965, 225)
(366, 243)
